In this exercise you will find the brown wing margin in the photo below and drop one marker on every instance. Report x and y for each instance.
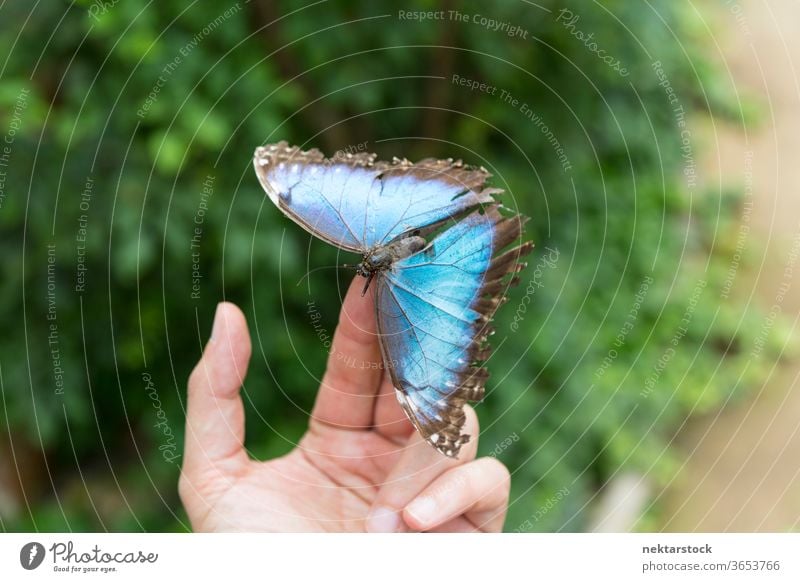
(445, 433)
(449, 170)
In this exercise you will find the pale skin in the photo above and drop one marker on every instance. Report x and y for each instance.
(360, 466)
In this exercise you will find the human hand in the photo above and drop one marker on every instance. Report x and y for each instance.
(361, 466)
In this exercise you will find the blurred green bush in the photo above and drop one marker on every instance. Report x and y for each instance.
(136, 134)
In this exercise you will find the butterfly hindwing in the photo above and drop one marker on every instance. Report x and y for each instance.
(356, 203)
(433, 310)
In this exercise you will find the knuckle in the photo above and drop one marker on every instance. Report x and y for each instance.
(195, 375)
(184, 488)
(199, 374)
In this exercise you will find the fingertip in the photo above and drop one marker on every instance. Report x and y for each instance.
(216, 325)
(357, 310)
(230, 328)
(502, 475)
(223, 365)
(227, 316)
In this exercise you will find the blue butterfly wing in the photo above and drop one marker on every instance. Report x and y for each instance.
(356, 203)
(433, 310)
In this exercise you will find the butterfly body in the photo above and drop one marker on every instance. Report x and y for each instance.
(382, 257)
(434, 241)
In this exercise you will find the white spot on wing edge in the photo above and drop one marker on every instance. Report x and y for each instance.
(271, 192)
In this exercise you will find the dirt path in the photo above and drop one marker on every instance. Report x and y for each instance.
(743, 473)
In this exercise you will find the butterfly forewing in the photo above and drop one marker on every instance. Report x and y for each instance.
(356, 203)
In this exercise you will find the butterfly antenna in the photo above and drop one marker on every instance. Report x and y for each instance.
(366, 285)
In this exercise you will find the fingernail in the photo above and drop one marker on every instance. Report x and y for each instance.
(422, 509)
(217, 325)
(383, 520)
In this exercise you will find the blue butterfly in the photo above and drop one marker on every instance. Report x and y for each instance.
(432, 237)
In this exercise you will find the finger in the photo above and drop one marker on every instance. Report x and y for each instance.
(390, 420)
(215, 415)
(478, 491)
(347, 394)
(419, 465)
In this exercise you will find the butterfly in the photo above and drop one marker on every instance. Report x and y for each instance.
(440, 252)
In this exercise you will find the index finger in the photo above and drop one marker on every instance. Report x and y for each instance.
(347, 393)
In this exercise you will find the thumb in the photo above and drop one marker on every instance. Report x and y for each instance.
(215, 414)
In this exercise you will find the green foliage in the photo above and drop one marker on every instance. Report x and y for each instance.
(156, 111)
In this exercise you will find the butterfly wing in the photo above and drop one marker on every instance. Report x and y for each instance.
(356, 203)
(433, 310)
